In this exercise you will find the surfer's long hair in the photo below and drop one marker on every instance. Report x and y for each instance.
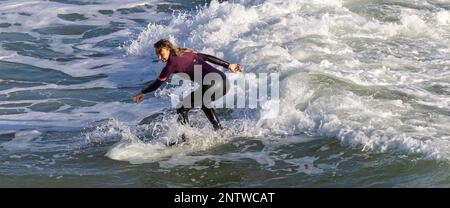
(164, 43)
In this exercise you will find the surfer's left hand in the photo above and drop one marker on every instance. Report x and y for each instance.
(234, 67)
(138, 97)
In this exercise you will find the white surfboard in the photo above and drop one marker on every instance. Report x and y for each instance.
(137, 152)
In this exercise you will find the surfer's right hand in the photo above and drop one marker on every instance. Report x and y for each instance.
(138, 97)
(234, 68)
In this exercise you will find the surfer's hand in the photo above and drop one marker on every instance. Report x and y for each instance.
(234, 67)
(138, 97)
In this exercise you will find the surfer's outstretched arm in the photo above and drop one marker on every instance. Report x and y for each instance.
(152, 86)
(220, 62)
(214, 60)
(163, 76)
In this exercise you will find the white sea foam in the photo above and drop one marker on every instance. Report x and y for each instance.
(311, 45)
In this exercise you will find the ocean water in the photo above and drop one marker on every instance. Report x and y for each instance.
(364, 94)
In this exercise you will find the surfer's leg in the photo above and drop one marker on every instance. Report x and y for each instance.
(183, 110)
(182, 119)
(212, 117)
(219, 86)
(187, 104)
(183, 115)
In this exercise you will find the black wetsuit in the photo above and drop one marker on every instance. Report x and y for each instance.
(185, 64)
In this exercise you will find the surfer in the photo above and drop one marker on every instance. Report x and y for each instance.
(183, 60)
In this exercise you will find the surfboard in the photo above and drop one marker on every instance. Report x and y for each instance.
(156, 117)
(138, 152)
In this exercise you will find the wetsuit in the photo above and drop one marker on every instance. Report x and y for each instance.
(185, 64)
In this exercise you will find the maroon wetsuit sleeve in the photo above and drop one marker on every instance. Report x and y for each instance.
(165, 73)
(163, 76)
(152, 86)
(213, 60)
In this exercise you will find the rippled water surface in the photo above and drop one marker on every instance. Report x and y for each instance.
(364, 94)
